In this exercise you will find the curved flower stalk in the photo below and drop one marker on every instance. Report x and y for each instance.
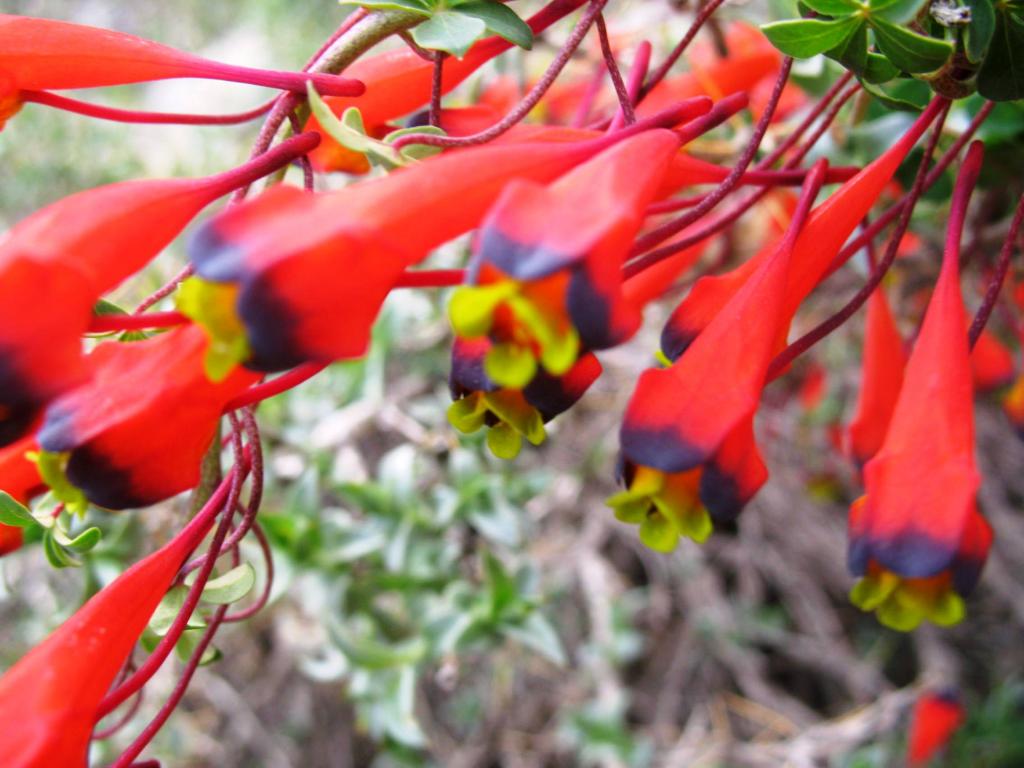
(936, 717)
(884, 358)
(511, 414)
(19, 479)
(50, 699)
(752, 60)
(689, 459)
(917, 541)
(546, 277)
(56, 264)
(827, 229)
(136, 433)
(44, 54)
(399, 83)
(292, 277)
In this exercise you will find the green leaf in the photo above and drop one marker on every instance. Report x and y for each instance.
(188, 643)
(892, 97)
(536, 633)
(83, 542)
(168, 610)
(853, 52)
(13, 512)
(414, 6)
(449, 31)
(417, 151)
(911, 52)
(978, 35)
(231, 587)
(56, 554)
(502, 587)
(104, 307)
(372, 654)
(879, 69)
(833, 7)
(896, 11)
(803, 38)
(502, 20)
(1001, 77)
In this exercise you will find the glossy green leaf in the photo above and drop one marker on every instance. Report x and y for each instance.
(188, 644)
(879, 69)
(83, 542)
(500, 20)
(13, 512)
(911, 52)
(896, 11)
(231, 587)
(832, 7)
(1001, 77)
(852, 53)
(449, 31)
(978, 35)
(803, 38)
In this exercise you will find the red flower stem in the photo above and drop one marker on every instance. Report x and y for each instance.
(268, 559)
(625, 104)
(966, 181)
(995, 285)
(431, 278)
(101, 112)
(703, 15)
(111, 323)
(165, 290)
(637, 73)
(255, 492)
(266, 163)
(275, 386)
(153, 727)
(522, 109)
(124, 719)
(307, 167)
(781, 362)
(677, 225)
(823, 103)
(782, 178)
(436, 87)
(589, 97)
(325, 84)
(230, 488)
(730, 216)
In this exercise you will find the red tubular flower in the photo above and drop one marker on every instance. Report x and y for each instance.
(688, 451)
(546, 278)
(44, 54)
(827, 229)
(50, 698)
(303, 275)
(511, 414)
(936, 717)
(19, 478)
(137, 431)
(399, 82)
(881, 378)
(57, 263)
(991, 364)
(917, 540)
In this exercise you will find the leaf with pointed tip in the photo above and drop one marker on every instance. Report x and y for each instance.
(500, 20)
(832, 7)
(13, 512)
(413, 6)
(896, 11)
(803, 38)
(911, 52)
(1001, 77)
(978, 35)
(449, 31)
(231, 587)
